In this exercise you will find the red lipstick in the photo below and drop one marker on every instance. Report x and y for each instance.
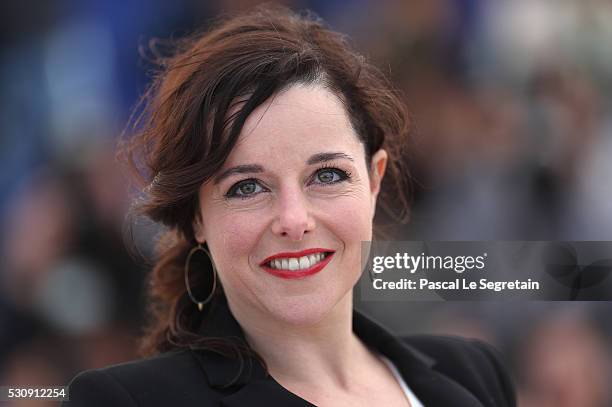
(288, 274)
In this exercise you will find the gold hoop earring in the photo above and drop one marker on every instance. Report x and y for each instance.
(200, 304)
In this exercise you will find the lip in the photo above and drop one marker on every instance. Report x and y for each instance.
(286, 274)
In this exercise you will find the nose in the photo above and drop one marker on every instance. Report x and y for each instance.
(293, 218)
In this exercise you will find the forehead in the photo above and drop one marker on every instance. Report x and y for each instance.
(303, 119)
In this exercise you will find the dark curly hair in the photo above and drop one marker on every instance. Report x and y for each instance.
(192, 114)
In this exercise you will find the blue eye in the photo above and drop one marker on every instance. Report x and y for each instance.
(330, 175)
(245, 189)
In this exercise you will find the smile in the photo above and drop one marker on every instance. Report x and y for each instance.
(297, 265)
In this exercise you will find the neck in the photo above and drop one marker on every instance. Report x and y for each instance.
(321, 352)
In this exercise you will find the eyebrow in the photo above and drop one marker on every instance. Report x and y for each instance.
(323, 157)
(256, 168)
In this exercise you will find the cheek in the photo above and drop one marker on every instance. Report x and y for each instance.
(351, 216)
(349, 223)
(236, 235)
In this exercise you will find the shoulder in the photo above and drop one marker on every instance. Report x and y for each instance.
(475, 364)
(170, 378)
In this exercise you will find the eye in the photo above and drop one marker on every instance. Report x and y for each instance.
(245, 189)
(330, 175)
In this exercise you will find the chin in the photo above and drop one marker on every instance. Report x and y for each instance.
(303, 310)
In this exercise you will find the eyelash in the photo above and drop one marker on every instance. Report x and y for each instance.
(344, 175)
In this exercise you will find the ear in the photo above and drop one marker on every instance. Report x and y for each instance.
(198, 229)
(378, 165)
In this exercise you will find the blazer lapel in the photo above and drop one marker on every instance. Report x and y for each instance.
(243, 380)
(264, 392)
(431, 387)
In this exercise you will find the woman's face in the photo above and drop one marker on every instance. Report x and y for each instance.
(295, 187)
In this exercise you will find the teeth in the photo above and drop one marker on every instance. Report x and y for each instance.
(304, 262)
(294, 263)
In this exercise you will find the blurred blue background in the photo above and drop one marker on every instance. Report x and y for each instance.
(511, 105)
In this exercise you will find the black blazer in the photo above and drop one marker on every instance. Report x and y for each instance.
(441, 371)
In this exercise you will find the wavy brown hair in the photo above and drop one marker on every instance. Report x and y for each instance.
(192, 114)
